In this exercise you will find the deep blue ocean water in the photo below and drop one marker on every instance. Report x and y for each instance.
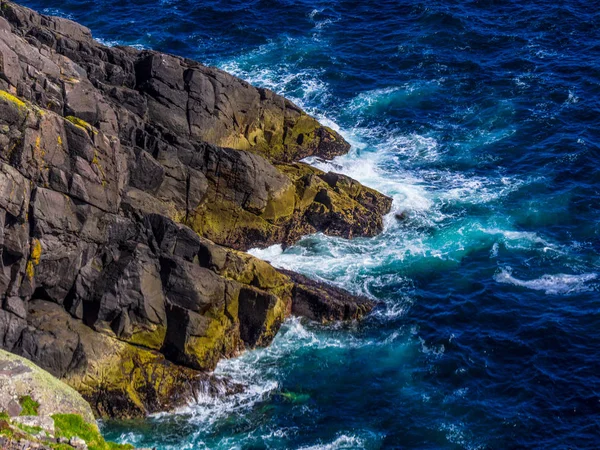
(482, 120)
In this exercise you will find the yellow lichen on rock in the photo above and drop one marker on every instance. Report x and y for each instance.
(151, 337)
(34, 257)
(80, 123)
(12, 99)
(217, 341)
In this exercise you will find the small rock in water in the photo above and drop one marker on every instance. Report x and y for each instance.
(402, 216)
(295, 397)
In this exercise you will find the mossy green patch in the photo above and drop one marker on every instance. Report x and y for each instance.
(218, 341)
(228, 224)
(281, 205)
(27, 428)
(29, 405)
(7, 432)
(61, 447)
(149, 338)
(275, 317)
(70, 425)
(46, 389)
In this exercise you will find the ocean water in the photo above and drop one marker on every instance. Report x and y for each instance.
(482, 120)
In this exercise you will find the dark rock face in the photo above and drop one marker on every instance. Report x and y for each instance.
(128, 182)
(324, 303)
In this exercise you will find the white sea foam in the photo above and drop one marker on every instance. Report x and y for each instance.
(345, 441)
(456, 434)
(58, 12)
(557, 284)
(258, 370)
(520, 239)
(107, 42)
(378, 101)
(267, 254)
(572, 98)
(314, 12)
(435, 351)
(113, 43)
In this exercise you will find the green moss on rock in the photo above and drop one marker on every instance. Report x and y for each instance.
(29, 405)
(151, 337)
(228, 224)
(28, 429)
(73, 425)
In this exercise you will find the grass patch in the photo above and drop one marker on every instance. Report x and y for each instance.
(7, 432)
(60, 447)
(27, 429)
(29, 405)
(70, 425)
(4, 416)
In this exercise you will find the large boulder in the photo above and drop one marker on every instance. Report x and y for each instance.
(38, 411)
(23, 382)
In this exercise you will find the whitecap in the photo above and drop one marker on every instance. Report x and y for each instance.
(377, 101)
(314, 12)
(436, 351)
(572, 98)
(107, 42)
(342, 442)
(113, 43)
(456, 434)
(58, 13)
(557, 284)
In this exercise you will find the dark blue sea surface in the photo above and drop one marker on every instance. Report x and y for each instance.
(482, 120)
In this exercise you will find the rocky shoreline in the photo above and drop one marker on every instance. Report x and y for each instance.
(132, 181)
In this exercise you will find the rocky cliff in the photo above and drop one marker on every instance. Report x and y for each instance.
(131, 181)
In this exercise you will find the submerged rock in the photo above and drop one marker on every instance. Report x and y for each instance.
(129, 181)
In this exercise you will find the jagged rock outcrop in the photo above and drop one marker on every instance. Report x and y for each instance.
(129, 181)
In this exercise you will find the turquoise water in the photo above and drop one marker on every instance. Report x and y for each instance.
(482, 120)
